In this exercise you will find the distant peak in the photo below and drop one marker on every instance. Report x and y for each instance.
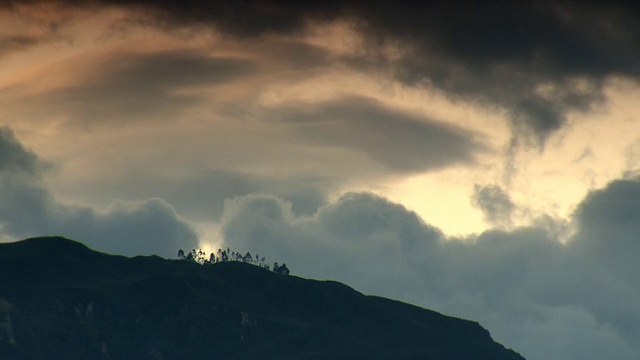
(45, 245)
(54, 240)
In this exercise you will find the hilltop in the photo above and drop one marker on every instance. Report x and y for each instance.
(62, 300)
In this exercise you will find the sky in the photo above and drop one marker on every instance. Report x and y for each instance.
(481, 160)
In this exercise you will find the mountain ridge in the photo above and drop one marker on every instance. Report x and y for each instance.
(58, 298)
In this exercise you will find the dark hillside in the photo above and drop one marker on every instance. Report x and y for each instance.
(61, 300)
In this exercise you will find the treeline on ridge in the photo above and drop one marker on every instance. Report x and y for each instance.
(200, 257)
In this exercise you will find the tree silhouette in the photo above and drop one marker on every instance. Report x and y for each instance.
(200, 257)
(280, 269)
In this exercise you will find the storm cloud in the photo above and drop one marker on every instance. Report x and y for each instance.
(27, 208)
(14, 157)
(201, 195)
(538, 60)
(398, 140)
(126, 86)
(525, 285)
(495, 203)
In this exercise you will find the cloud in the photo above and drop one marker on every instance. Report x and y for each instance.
(14, 157)
(495, 203)
(524, 56)
(539, 61)
(349, 239)
(133, 228)
(248, 19)
(128, 86)
(200, 195)
(611, 207)
(609, 227)
(400, 141)
(10, 44)
(608, 231)
(23, 29)
(28, 209)
(524, 284)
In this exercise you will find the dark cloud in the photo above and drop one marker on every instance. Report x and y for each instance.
(360, 217)
(133, 228)
(525, 285)
(26, 30)
(171, 69)
(28, 209)
(128, 228)
(200, 195)
(139, 86)
(610, 226)
(615, 205)
(607, 242)
(206, 194)
(358, 237)
(247, 18)
(496, 52)
(399, 141)
(14, 157)
(9, 44)
(503, 53)
(495, 203)
(292, 55)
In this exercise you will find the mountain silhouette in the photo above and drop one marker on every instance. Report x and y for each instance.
(62, 300)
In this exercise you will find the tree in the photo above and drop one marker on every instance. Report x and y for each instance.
(190, 256)
(224, 255)
(200, 257)
(280, 269)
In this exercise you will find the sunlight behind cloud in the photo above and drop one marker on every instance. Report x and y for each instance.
(587, 155)
(442, 199)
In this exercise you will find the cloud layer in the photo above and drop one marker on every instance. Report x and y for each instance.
(525, 284)
(399, 141)
(538, 60)
(27, 209)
